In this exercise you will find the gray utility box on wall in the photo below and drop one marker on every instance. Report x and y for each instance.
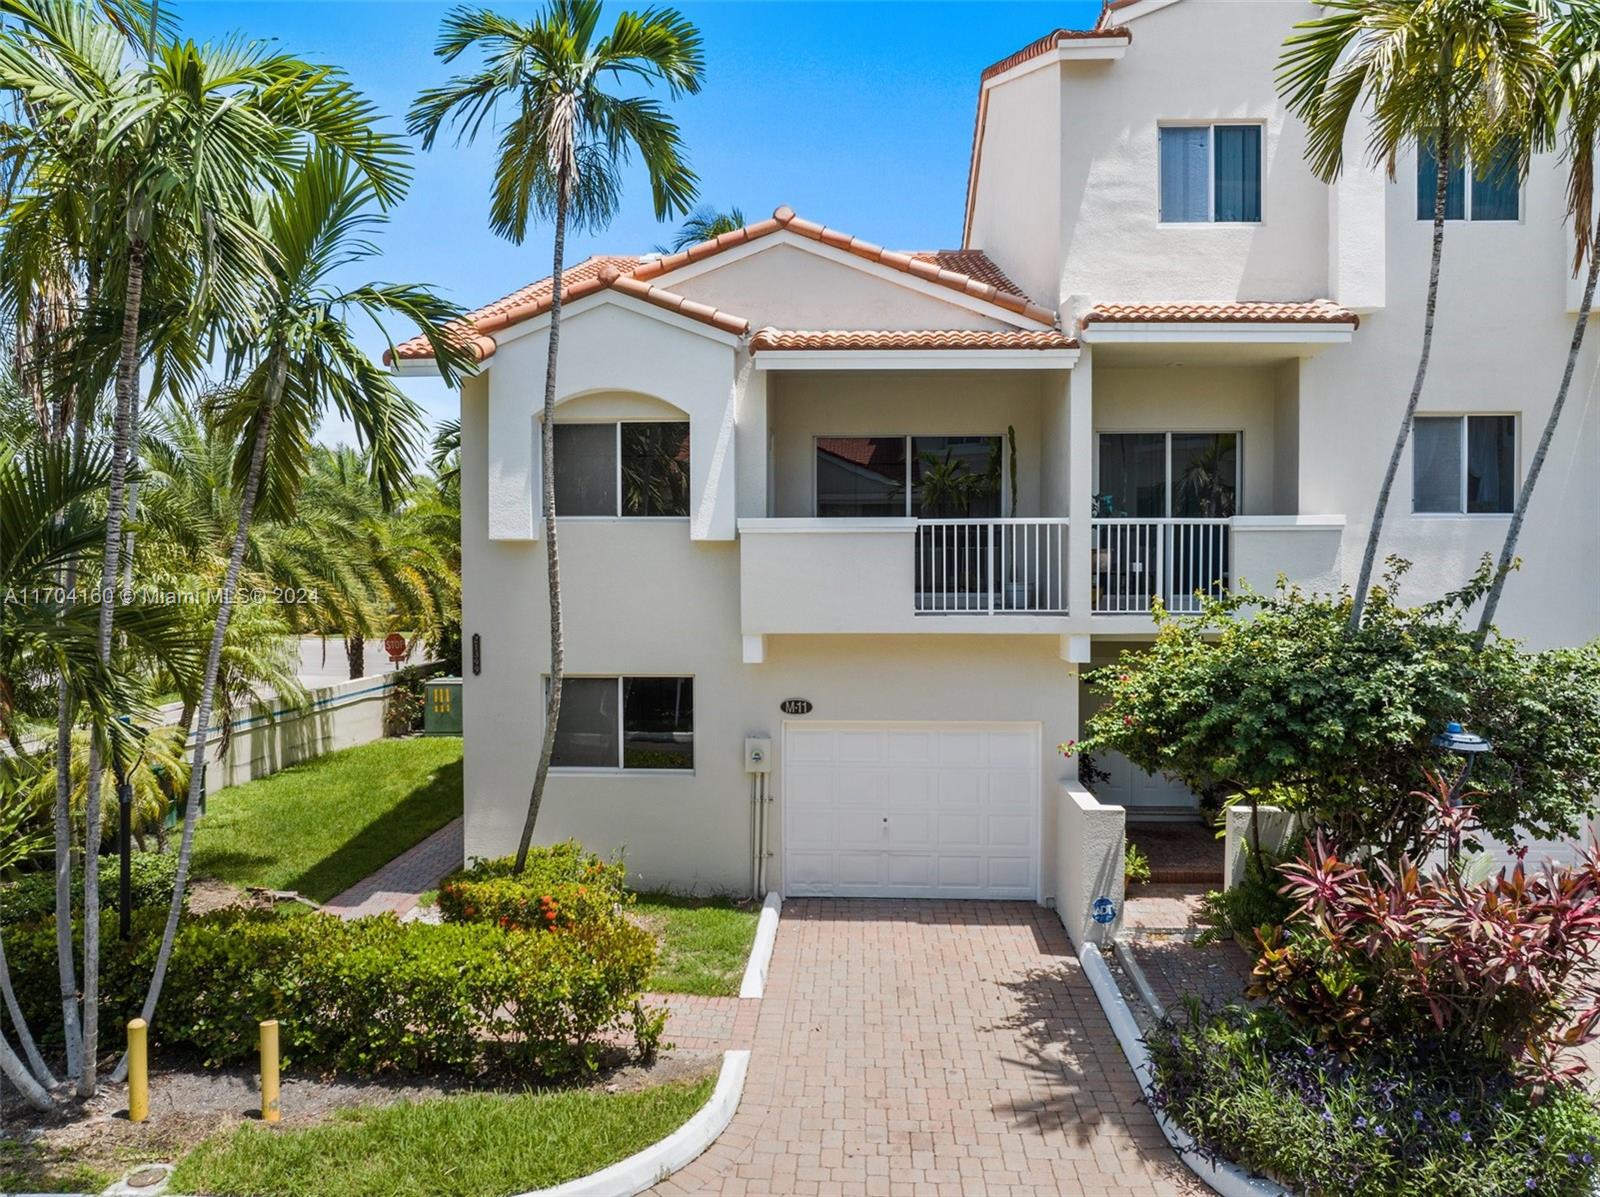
(441, 706)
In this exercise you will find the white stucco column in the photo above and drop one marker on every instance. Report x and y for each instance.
(1080, 483)
(752, 439)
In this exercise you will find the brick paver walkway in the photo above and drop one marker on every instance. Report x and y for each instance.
(397, 886)
(933, 1049)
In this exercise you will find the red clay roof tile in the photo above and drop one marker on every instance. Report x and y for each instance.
(769, 339)
(1311, 311)
(968, 271)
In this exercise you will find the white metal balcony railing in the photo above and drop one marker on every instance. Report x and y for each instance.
(991, 567)
(1138, 560)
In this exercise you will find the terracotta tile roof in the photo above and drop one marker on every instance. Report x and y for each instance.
(1311, 311)
(587, 277)
(886, 454)
(767, 339)
(1050, 41)
(968, 271)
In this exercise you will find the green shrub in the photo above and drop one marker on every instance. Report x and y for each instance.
(1253, 904)
(1405, 1120)
(1135, 865)
(366, 995)
(33, 896)
(564, 887)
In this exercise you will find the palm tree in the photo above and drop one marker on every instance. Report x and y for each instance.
(561, 154)
(1459, 75)
(172, 147)
(47, 506)
(1575, 44)
(703, 224)
(294, 360)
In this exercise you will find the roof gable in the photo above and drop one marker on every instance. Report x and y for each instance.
(974, 291)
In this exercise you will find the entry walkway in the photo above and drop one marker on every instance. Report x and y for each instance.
(933, 1048)
(396, 887)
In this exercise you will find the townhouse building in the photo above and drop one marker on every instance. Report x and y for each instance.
(842, 528)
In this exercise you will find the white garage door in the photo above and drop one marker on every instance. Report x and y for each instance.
(911, 810)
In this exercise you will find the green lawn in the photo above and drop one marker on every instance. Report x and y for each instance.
(322, 826)
(705, 942)
(484, 1145)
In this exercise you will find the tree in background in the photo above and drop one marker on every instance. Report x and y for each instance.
(703, 224)
(290, 363)
(1460, 76)
(1273, 697)
(561, 154)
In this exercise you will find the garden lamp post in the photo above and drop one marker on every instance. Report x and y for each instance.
(1456, 739)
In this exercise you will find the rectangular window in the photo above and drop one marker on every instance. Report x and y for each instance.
(1495, 194)
(635, 469)
(625, 723)
(655, 469)
(1464, 465)
(1210, 173)
(931, 477)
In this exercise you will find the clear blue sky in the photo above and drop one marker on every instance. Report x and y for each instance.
(856, 114)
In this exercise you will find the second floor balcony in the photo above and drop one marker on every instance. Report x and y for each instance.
(819, 576)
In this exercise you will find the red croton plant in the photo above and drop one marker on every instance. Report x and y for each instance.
(1503, 965)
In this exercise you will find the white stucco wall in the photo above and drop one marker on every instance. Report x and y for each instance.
(1018, 182)
(793, 282)
(613, 344)
(643, 598)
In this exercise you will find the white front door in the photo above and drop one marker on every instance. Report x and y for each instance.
(911, 810)
(1131, 787)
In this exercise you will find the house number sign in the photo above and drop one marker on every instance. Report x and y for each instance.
(795, 706)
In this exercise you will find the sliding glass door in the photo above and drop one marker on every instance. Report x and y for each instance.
(1161, 505)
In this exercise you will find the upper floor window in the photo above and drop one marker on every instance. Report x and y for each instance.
(635, 469)
(1497, 195)
(1464, 465)
(953, 477)
(1210, 173)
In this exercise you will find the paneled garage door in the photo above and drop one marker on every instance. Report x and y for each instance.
(911, 810)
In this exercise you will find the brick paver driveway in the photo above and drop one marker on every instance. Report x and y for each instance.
(933, 1048)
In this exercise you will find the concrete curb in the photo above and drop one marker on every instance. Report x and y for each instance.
(755, 970)
(1141, 982)
(679, 1149)
(1226, 1178)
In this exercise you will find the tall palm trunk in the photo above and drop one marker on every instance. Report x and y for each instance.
(208, 688)
(547, 447)
(1513, 531)
(355, 651)
(13, 1070)
(127, 400)
(65, 710)
(30, 1049)
(1370, 556)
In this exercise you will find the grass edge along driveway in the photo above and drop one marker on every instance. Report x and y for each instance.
(705, 942)
(321, 826)
(477, 1145)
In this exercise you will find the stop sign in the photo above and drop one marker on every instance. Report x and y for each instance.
(395, 645)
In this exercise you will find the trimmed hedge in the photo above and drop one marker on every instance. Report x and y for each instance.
(1403, 1120)
(366, 995)
(32, 897)
(563, 888)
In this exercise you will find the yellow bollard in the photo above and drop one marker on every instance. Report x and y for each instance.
(138, 1070)
(269, 1070)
